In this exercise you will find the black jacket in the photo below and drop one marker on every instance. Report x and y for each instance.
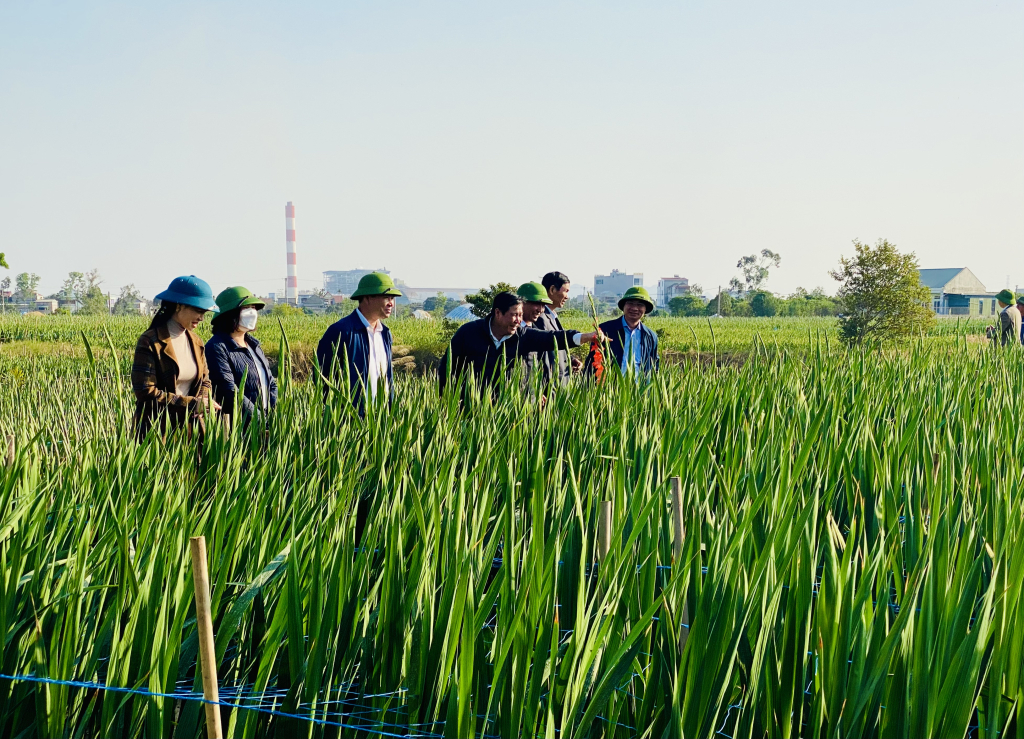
(615, 331)
(472, 347)
(348, 337)
(228, 362)
(556, 363)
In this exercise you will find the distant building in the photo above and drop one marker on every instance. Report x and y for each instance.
(346, 281)
(957, 292)
(419, 294)
(612, 287)
(47, 306)
(671, 287)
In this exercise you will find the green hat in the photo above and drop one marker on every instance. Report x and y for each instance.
(237, 297)
(1005, 297)
(1020, 299)
(375, 283)
(533, 292)
(637, 293)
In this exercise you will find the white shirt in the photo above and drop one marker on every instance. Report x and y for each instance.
(187, 369)
(378, 355)
(630, 343)
(261, 375)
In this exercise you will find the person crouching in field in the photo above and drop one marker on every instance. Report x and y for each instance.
(357, 349)
(1009, 319)
(490, 346)
(169, 375)
(233, 353)
(633, 345)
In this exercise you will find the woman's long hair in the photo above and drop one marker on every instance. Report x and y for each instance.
(164, 314)
(224, 323)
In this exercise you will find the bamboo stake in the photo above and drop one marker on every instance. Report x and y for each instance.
(677, 554)
(207, 649)
(10, 450)
(604, 528)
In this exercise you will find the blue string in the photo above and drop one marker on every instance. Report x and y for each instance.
(201, 699)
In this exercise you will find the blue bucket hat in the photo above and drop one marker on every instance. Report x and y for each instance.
(189, 291)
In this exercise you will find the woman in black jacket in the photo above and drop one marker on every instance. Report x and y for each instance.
(233, 352)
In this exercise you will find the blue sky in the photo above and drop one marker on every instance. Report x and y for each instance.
(458, 144)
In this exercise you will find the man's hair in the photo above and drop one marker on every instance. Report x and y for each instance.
(504, 301)
(554, 280)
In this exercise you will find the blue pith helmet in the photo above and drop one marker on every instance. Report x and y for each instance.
(189, 291)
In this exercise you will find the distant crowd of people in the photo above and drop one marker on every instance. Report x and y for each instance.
(176, 378)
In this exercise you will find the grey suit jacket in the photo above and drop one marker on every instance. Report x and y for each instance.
(1009, 326)
(557, 367)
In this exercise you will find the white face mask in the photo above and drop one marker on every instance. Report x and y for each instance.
(247, 318)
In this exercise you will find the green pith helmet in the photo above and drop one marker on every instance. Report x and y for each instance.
(637, 293)
(237, 297)
(1005, 297)
(375, 283)
(1020, 299)
(533, 292)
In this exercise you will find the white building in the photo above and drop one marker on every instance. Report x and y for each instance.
(614, 285)
(671, 287)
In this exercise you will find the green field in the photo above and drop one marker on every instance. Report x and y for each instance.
(853, 563)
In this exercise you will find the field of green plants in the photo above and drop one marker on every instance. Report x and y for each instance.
(852, 564)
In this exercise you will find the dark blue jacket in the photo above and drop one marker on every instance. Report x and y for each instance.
(472, 347)
(348, 336)
(228, 362)
(615, 331)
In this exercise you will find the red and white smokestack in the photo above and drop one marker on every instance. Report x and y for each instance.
(291, 290)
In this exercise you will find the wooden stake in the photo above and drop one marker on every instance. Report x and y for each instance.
(207, 648)
(10, 450)
(677, 554)
(604, 528)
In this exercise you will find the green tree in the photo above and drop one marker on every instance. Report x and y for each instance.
(92, 298)
(755, 270)
(686, 305)
(763, 304)
(127, 300)
(482, 300)
(438, 305)
(721, 304)
(881, 294)
(3, 261)
(25, 285)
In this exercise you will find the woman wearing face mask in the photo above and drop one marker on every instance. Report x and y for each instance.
(169, 374)
(233, 352)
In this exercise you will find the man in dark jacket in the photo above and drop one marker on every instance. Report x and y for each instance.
(355, 352)
(558, 364)
(490, 346)
(632, 344)
(1009, 319)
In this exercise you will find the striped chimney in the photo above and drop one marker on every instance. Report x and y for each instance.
(291, 288)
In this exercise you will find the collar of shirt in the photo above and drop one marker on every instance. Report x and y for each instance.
(380, 325)
(497, 342)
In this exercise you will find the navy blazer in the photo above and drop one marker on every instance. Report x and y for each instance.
(348, 336)
(472, 346)
(228, 362)
(647, 352)
(557, 364)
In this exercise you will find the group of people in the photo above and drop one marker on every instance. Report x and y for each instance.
(1010, 331)
(176, 378)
